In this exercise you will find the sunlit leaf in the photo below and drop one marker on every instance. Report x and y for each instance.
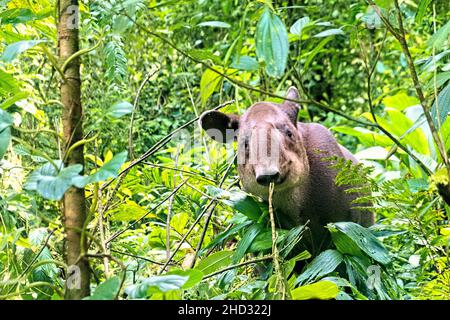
(323, 290)
(215, 261)
(12, 50)
(272, 45)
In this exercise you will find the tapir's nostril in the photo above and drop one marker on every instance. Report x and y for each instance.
(266, 179)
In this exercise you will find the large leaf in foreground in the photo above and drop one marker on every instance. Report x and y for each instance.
(108, 170)
(156, 284)
(106, 290)
(323, 264)
(52, 180)
(323, 290)
(362, 238)
(214, 262)
(272, 45)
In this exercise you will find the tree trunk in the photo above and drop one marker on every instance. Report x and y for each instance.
(74, 208)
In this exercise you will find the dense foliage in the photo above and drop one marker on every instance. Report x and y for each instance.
(167, 218)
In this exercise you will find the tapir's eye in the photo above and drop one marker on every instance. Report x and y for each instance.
(289, 133)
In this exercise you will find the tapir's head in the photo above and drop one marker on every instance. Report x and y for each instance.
(270, 145)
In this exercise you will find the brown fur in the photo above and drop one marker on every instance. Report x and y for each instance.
(305, 188)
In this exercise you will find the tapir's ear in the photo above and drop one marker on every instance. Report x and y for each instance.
(290, 107)
(220, 126)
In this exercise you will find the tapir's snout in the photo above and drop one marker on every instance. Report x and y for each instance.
(266, 177)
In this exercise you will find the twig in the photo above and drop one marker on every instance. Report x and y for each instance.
(169, 208)
(280, 285)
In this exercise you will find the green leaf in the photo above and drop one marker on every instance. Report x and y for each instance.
(245, 63)
(215, 261)
(7, 83)
(156, 284)
(215, 24)
(209, 82)
(120, 109)
(372, 19)
(323, 264)
(204, 55)
(298, 26)
(400, 101)
(106, 290)
(423, 4)
(51, 182)
(5, 138)
(245, 242)
(6, 120)
(323, 290)
(194, 277)
(443, 104)
(329, 32)
(108, 170)
(363, 238)
(238, 200)
(128, 211)
(441, 35)
(272, 45)
(12, 50)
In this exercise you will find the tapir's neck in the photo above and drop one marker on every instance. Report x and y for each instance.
(290, 203)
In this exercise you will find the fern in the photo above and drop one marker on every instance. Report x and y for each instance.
(116, 61)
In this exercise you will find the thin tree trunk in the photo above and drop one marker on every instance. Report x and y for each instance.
(74, 208)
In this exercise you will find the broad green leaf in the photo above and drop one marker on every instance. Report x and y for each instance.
(329, 32)
(5, 138)
(441, 78)
(209, 82)
(6, 120)
(120, 109)
(215, 261)
(51, 182)
(245, 63)
(7, 83)
(215, 24)
(323, 290)
(441, 106)
(363, 238)
(263, 240)
(313, 53)
(238, 200)
(322, 265)
(128, 211)
(245, 242)
(15, 98)
(298, 26)
(272, 45)
(400, 101)
(22, 15)
(108, 170)
(12, 50)
(156, 284)
(194, 277)
(106, 290)
(372, 19)
(365, 136)
(441, 35)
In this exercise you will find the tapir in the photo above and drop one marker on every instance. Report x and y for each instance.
(273, 147)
